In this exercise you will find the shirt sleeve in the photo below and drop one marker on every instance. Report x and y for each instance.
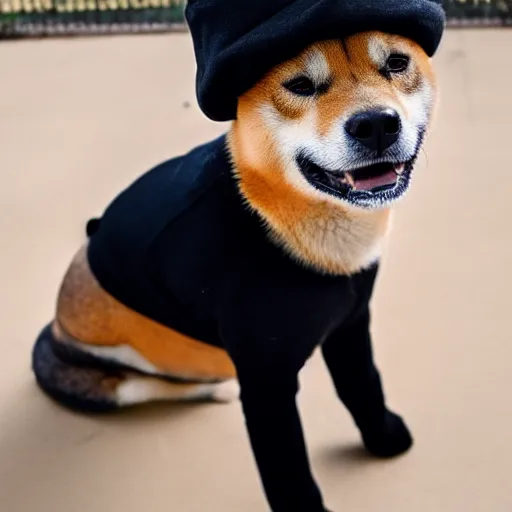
(269, 344)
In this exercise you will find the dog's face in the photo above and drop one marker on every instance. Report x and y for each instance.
(344, 121)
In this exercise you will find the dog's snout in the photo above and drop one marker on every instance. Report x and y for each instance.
(377, 129)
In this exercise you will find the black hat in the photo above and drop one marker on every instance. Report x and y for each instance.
(237, 42)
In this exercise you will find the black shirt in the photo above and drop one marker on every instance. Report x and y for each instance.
(181, 247)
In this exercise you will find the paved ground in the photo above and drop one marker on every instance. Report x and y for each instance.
(79, 119)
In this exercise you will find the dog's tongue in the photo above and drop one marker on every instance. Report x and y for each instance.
(386, 179)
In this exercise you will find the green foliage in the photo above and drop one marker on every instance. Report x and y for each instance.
(17, 14)
(478, 8)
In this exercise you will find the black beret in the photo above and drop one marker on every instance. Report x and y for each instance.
(236, 42)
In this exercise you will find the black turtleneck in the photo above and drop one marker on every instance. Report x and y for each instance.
(180, 247)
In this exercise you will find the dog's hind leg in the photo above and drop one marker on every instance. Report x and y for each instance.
(139, 389)
(100, 355)
(81, 383)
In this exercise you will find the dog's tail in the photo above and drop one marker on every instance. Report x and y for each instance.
(85, 383)
(76, 386)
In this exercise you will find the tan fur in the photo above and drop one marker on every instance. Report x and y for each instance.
(319, 230)
(315, 232)
(87, 313)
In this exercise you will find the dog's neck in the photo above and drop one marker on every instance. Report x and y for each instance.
(321, 233)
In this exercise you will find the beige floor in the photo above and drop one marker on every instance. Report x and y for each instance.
(79, 119)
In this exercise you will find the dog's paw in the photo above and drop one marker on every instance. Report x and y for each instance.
(389, 440)
(226, 392)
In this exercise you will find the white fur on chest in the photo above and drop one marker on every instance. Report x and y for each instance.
(335, 244)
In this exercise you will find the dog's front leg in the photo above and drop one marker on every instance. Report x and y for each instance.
(348, 354)
(269, 402)
(266, 327)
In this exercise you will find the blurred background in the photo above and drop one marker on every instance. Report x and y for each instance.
(37, 17)
(82, 117)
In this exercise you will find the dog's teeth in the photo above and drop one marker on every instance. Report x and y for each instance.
(350, 180)
(400, 169)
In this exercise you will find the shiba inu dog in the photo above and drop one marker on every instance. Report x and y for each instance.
(230, 265)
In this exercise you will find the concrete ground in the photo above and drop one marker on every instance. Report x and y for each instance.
(80, 119)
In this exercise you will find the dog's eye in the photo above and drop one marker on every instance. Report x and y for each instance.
(302, 86)
(397, 63)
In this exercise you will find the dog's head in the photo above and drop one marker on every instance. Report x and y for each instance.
(342, 122)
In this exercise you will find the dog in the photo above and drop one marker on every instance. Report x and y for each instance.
(217, 274)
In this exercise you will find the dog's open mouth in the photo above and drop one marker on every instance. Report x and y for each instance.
(369, 186)
(373, 178)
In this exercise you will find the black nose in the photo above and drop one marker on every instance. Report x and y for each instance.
(376, 129)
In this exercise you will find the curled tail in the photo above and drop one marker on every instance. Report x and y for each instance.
(86, 383)
(75, 386)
